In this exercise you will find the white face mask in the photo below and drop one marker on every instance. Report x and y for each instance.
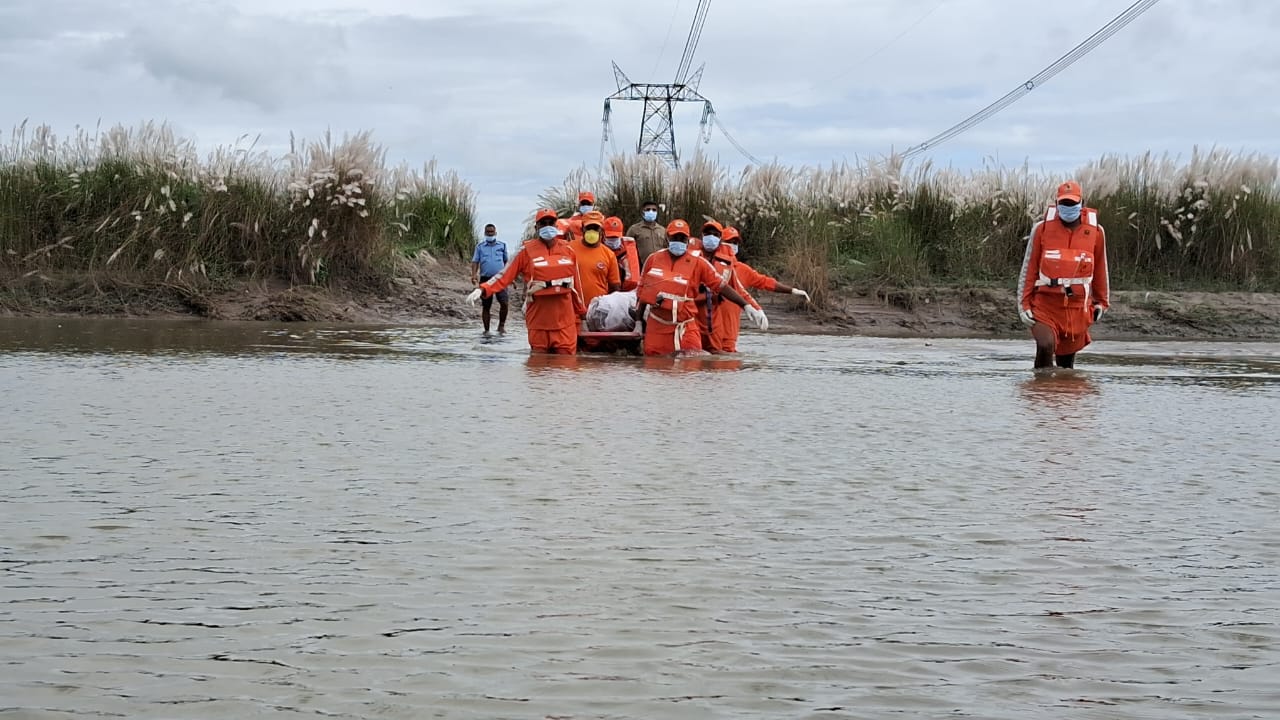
(733, 247)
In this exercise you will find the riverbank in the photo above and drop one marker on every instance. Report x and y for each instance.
(428, 291)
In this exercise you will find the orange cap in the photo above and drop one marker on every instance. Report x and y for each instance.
(677, 226)
(730, 233)
(595, 217)
(613, 227)
(1069, 190)
(544, 213)
(587, 196)
(714, 226)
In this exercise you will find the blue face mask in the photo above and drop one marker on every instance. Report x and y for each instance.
(733, 247)
(710, 243)
(584, 209)
(1069, 213)
(548, 232)
(677, 247)
(613, 243)
(491, 239)
(650, 215)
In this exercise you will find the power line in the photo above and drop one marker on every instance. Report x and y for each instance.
(891, 41)
(691, 43)
(716, 119)
(1062, 63)
(665, 38)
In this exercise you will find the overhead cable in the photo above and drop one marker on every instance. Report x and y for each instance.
(716, 119)
(1062, 63)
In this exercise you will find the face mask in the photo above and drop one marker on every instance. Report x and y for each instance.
(733, 247)
(584, 209)
(1069, 213)
(548, 232)
(591, 237)
(613, 243)
(650, 215)
(710, 243)
(491, 239)
(677, 247)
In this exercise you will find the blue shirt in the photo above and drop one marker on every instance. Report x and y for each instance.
(491, 256)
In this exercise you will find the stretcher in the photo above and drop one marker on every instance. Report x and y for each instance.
(629, 342)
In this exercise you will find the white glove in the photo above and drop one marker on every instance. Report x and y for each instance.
(474, 296)
(1098, 310)
(1026, 317)
(798, 291)
(757, 317)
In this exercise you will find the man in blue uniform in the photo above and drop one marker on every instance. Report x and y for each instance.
(488, 260)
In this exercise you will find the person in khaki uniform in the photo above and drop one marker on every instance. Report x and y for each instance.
(650, 236)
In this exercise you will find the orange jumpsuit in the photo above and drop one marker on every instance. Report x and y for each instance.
(598, 268)
(574, 229)
(726, 319)
(669, 286)
(553, 304)
(628, 264)
(1064, 275)
(703, 317)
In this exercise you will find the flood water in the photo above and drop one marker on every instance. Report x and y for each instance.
(247, 520)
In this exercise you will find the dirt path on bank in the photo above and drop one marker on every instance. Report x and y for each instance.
(432, 292)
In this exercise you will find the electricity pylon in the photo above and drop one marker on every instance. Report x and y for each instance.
(657, 127)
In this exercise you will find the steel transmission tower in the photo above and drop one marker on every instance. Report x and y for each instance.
(657, 128)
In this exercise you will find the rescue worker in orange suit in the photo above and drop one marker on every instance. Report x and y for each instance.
(586, 203)
(597, 265)
(666, 298)
(624, 249)
(553, 306)
(1064, 287)
(725, 318)
(710, 235)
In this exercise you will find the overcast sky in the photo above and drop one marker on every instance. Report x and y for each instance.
(509, 92)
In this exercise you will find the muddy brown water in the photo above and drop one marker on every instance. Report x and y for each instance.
(247, 520)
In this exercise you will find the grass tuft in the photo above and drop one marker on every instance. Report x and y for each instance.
(1210, 221)
(142, 203)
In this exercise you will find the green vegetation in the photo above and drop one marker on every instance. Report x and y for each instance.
(142, 204)
(1209, 222)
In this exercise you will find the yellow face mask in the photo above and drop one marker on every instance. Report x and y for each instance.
(591, 237)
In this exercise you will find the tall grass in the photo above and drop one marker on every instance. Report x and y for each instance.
(1212, 220)
(143, 203)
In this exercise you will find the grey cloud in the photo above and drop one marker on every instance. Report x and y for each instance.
(509, 92)
(265, 62)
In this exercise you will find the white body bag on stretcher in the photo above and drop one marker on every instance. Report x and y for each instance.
(612, 312)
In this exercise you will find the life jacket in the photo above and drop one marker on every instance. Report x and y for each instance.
(1066, 256)
(668, 293)
(726, 266)
(552, 272)
(574, 227)
(628, 263)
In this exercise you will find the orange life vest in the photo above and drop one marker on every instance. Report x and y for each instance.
(553, 268)
(1066, 259)
(670, 288)
(628, 263)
